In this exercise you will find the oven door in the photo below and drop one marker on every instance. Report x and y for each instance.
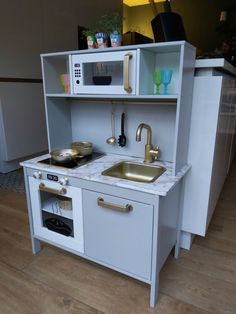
(57, 214)
(104, 73)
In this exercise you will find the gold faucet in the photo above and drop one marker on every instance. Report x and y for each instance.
(151, 153)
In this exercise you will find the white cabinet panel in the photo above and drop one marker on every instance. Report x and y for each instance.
(210, 149)
(204, 121)
(22, 120)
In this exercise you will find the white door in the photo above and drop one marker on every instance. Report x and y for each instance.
(57, 219)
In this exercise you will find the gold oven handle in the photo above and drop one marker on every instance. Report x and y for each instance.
(125, 209)
(44, 188)
(127, 86)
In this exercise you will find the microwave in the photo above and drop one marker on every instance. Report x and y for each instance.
(104, 73)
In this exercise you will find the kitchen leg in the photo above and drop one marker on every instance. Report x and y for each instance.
(36, 247)
(155, 256)
(154, 291)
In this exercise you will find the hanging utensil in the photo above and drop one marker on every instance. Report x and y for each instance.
(122, 137)
(112, 140)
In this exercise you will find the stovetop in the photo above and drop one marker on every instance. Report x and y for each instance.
(74, 164)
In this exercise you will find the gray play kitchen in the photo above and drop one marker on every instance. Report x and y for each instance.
(119, 204)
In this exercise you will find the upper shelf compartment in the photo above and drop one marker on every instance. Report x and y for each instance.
(56, 74)
(123, 72)
(157, 69)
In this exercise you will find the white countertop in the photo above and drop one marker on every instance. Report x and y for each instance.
(215, 63)
(92, 172)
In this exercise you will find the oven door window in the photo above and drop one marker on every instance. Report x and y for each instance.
(57, 214)
(57, 218)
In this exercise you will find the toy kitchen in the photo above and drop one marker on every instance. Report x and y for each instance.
(119, 204)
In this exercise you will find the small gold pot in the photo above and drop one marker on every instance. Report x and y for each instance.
(83, 148)
(64, 155)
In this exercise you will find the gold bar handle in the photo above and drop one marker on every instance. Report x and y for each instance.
(44, 188)
(127, 86)
(125, 209)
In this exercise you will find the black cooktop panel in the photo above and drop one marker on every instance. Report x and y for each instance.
(74, 164)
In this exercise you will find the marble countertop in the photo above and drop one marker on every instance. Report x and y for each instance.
(92, 172)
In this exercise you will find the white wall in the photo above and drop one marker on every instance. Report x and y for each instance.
(21, 39)
(31, 27)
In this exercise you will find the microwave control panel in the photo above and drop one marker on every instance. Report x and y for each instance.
(77, 73)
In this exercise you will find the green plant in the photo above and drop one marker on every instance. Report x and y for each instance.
(89, 32)
(110, 23)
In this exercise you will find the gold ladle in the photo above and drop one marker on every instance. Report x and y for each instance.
(112, 140)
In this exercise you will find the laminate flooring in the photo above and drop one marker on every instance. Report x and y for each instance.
(202, 280)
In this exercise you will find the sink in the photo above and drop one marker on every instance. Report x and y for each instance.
(134, 171)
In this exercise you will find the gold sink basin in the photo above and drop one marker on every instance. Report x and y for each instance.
(134, 172)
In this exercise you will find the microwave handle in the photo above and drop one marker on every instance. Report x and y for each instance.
(127, 86)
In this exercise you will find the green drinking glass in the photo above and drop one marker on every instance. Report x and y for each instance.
(157, 81)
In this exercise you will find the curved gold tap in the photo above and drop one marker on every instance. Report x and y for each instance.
(151, 153)
(149, 133)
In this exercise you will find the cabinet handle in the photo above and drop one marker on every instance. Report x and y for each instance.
(127, 86)
(44, 188)
(127, 208)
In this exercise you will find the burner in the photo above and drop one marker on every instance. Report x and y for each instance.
(73, 164)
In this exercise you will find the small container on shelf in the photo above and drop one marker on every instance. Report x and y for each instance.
(102, 40)
(116, 39)
(65, 82)
(64, 202)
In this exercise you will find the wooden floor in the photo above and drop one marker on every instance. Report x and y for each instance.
(202, 280)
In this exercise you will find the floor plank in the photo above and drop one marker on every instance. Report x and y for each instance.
(13, 200)
(198, 289)
(15, 249)
(210, 262)
(95, 285)
(214, 240)
(21, 294)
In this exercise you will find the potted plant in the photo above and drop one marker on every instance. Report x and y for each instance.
(112, 25)
(102, 35)
(102, 39)
(91, 38)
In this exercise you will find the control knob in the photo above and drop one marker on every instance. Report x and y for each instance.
(37, 175)
(63, 181)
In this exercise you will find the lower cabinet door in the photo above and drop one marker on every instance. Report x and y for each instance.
(118, 232)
